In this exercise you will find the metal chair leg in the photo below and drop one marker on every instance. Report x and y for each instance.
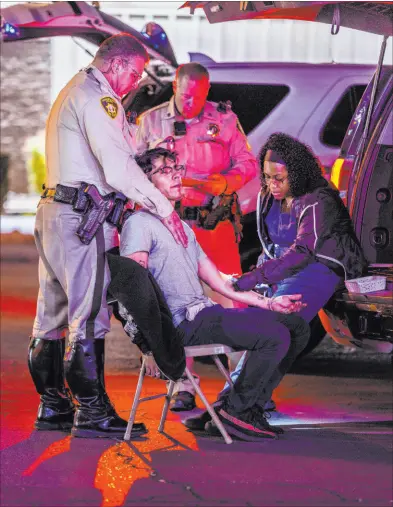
(223, 370)
(168, 398)
(209, 408)
(135, 404)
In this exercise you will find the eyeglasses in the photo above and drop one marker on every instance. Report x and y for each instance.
(133, 72)
(269, 179)
(136, 75)
(167, 169)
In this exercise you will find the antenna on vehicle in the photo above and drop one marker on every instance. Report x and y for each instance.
(336, 21)
(83, 47)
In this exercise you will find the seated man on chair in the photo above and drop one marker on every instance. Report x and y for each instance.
(261, 329)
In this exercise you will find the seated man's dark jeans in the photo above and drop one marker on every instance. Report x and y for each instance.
(258, 331)
(300, 335)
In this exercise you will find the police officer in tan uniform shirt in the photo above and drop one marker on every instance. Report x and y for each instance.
(88, 140)
(211, 144)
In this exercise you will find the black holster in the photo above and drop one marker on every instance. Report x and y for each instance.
(95, 208)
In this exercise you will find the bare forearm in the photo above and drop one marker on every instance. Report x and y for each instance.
(212, 277)
(249, 298)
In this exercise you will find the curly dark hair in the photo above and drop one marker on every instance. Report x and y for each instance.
(145, 160)
(304, 170)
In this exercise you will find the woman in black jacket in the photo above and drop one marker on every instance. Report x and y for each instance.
(308, 243)
(309, 246)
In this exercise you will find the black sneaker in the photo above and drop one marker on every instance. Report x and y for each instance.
(270, 406)
(212, 430)
(249, 425)
(266, 414)
(198, 422)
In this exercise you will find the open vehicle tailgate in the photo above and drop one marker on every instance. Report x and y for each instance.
(374, 17)
(79, 19)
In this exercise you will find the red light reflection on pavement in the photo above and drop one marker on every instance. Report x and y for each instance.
(53, 450)
(119, 467)
(19, 403)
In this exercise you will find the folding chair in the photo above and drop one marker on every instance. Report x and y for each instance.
(195, 351)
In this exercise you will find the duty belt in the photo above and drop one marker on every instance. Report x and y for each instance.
(61, 193)
(191, 212)
(113, 208)
(208, 217)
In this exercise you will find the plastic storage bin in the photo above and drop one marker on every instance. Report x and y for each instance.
(366, 284)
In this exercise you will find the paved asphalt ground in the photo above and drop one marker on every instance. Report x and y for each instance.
(336, 408)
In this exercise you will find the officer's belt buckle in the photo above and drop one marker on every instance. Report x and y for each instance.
(48, 192)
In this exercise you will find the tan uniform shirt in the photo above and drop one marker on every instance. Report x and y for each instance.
(214, 143)
(88, 139)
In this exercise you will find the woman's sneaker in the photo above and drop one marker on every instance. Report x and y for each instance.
(249, 425)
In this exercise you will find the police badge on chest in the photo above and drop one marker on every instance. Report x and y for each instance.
(213, 130)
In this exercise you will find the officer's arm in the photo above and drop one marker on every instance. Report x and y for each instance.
(112, 148)
(244, 165)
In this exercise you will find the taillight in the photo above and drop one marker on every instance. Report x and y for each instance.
(339, 176)
(8, 31)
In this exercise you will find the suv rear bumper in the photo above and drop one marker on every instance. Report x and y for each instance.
(361, 320)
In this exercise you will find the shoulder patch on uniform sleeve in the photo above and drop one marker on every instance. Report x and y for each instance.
(111, 107)
(239, 127)
(155, 108)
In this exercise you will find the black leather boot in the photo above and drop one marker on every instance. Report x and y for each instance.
(95, 416)
(45, 360)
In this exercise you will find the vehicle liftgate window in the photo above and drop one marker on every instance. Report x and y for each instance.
(334, 131)
(252, 103)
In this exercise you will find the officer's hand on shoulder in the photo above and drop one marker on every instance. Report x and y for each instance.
(175, 227)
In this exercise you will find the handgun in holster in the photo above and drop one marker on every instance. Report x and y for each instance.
(223, 207)
(96, 214)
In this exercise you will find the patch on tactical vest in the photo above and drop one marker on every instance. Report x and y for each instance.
(110, 106)
(213, 129)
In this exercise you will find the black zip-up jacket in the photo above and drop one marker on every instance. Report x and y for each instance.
(135, 288)
(324, 233)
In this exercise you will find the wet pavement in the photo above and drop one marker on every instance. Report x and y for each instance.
(336, 410)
